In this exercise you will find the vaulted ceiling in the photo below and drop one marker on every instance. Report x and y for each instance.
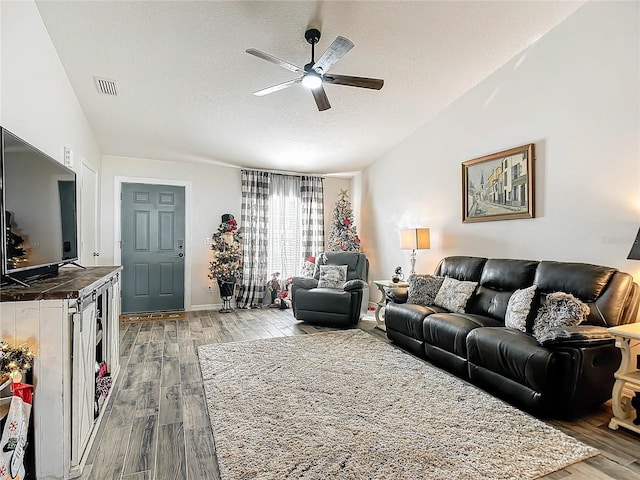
(185, 82)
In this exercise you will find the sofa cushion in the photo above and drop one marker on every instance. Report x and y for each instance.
(454, 294)
(499, 279)
(357, 263)
(519, 307)
(488, 303)
(461, 268)
(511, 354)
(407, 318)
(559, 310)
(332, 276)
(508, 275)
(448, 331)
(582, 280)
(423, 289)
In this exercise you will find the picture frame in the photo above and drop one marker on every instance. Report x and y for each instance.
(499, 186)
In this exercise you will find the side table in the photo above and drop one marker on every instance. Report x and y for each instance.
(382, 285)
(628, 375)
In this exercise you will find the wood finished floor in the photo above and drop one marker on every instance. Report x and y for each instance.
(156, 425)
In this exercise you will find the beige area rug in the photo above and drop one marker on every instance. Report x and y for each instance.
(343, 405)
(151, 316)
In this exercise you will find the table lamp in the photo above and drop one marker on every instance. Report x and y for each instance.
(414, 239)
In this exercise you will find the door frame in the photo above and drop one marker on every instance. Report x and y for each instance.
(117, 223)
(96, 234)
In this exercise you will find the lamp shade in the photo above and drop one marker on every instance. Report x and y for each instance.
(415, 239)
(634, 254)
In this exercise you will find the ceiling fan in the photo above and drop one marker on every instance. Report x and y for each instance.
(314, 74)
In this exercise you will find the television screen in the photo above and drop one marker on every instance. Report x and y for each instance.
(38, 208)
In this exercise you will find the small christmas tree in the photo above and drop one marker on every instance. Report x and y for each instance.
(343, 236)
(226, 266)
(227, 254)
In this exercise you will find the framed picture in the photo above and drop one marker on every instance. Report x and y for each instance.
(499, 186)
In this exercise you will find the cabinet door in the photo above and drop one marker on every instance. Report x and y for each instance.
(83, 394)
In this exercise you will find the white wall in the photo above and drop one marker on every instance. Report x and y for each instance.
(575, 94)
(37, 102)
(214, 191)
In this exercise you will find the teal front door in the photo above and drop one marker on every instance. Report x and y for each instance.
(153, 247)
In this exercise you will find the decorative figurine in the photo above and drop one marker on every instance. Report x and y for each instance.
(398, 275)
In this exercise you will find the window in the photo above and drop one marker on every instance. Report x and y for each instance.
(283, 222)
(284, 251)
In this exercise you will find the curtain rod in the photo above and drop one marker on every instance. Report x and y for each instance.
(282, 172)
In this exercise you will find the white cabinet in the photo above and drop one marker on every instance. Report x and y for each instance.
(70, 322)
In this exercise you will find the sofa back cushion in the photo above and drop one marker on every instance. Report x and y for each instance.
(461, 268)
(582, 280)
(357, 264)
(499, 279)
(586, 282)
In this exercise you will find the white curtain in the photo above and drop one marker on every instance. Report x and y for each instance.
(285, 226)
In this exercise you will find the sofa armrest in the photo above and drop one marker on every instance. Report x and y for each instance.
(305, 283)
(397, 294)
(580, 336)
(355, 284)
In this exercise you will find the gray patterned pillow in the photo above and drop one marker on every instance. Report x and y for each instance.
(454, 294)
(518, 308)
(423, 289)
(332, 276)
(560, 309)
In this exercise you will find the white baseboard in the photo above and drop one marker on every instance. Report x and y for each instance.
(210, 306)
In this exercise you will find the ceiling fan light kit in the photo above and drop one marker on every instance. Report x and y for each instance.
(311, 80)
(314, 73)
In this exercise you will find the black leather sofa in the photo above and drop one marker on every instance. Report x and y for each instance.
(328, 306)
(567, 377)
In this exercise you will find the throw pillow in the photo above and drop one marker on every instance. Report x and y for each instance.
(519, 307)
(454, 294)
(423, 289)
(332, 276)
(559, 310)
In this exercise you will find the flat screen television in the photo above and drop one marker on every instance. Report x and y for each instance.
(38, 212)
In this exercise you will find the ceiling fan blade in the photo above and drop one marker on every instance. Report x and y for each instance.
(335, 52)
(275, 88)
(363, 82)
(321, 99)
(272, 59)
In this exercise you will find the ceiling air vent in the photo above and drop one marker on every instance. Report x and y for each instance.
(106, 86)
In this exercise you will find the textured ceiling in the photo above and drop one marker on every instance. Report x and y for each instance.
(185, 82)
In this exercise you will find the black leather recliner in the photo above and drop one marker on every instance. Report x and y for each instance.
(328, 306)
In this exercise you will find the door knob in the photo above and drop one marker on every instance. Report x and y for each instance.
(181, 255)
(96, 254)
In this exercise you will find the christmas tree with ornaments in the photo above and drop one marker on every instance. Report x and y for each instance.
(343, 236)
